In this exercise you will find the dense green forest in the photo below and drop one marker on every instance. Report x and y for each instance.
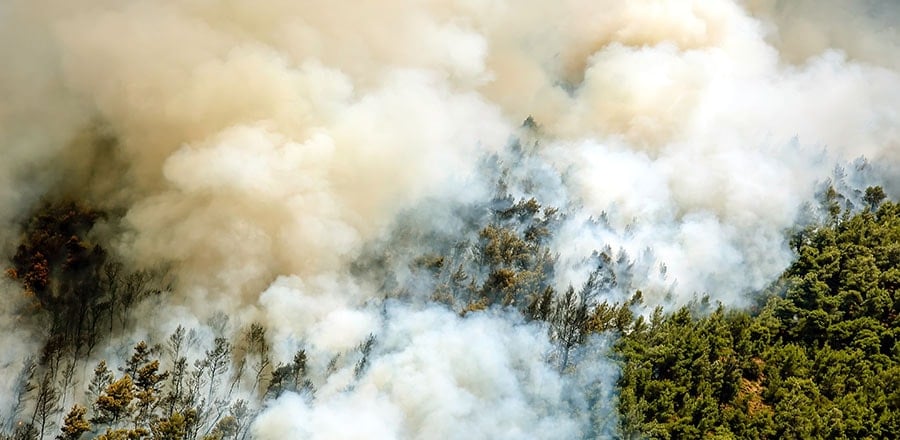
(819, 358)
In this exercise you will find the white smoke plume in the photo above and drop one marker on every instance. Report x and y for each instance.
(261, 145)
(429, 377)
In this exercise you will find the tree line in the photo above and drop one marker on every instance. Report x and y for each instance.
(817, 357)
(191, 386)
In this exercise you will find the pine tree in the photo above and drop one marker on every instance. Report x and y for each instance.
(101, 379)
(114, 403)
(75, 424)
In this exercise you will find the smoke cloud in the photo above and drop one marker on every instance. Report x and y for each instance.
(261, 145)
(428, 377)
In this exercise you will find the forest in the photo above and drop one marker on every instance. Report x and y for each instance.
(445, 219)
(817, 356)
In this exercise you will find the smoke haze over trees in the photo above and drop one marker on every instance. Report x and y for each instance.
(505, 220)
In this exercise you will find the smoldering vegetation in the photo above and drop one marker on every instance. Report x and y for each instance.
(477, 309)
(265, 219)
(539, 361)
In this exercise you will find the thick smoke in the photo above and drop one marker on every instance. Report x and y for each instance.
(429, 377)
(260, 145)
